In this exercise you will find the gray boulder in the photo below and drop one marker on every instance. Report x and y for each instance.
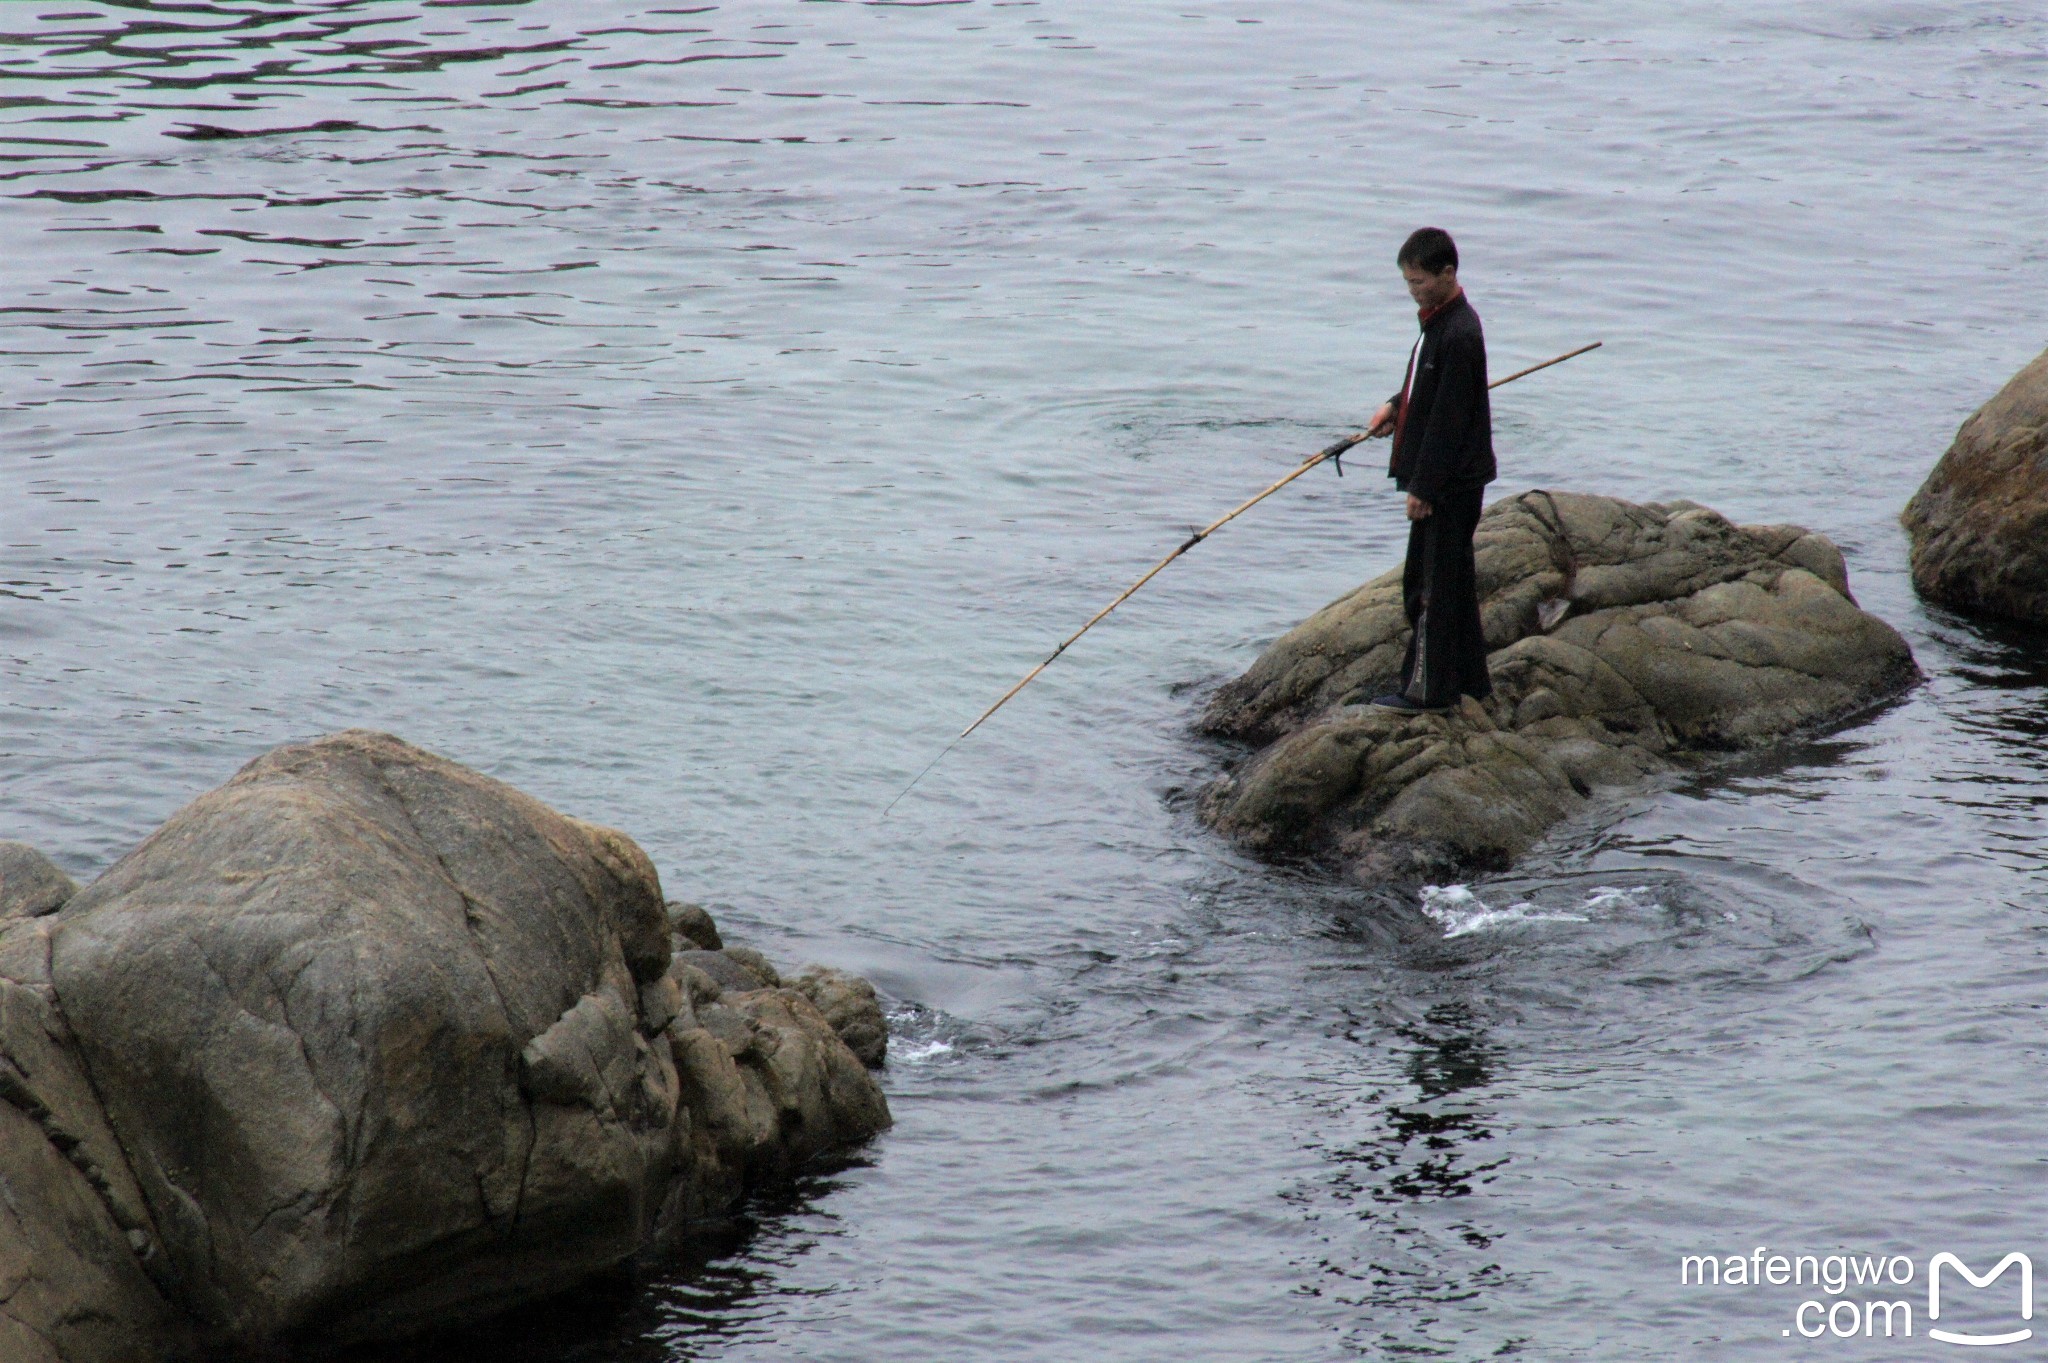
(83, 1274)
(364, 1043)
(726, 970)
(691, 923)
(769, 1086)
(30, 883)
(1979, 524)
(848, 1002)
(1623, 640)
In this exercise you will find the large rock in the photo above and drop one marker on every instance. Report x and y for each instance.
(364, 1043)
(83, 1275)
(1623, 640)
(1979, 524)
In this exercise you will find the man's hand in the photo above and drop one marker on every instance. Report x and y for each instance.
(1382, 422)
(1418, 510)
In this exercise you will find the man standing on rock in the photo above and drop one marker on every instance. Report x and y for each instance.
(1442, 458)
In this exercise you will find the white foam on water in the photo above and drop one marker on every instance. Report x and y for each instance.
(1603, 898)
(917, 1055)
(1458, 911)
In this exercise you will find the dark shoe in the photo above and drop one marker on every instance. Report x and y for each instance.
(1395, 701)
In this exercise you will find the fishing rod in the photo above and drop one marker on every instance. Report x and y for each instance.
(1332, 453)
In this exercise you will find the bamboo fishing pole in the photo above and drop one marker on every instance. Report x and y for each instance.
(1331, 451)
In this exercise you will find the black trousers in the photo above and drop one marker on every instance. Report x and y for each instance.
(1447, 652)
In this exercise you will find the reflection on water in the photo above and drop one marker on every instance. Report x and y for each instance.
(2001, 674)
(695, 413)
(720, 1292)
(1398, 1252)
(1426, 1151)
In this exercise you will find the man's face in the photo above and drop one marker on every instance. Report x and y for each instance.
(1430, 290)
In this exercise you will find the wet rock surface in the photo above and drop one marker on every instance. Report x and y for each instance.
(364, 1043)
(1979, 524)
(1623, 640)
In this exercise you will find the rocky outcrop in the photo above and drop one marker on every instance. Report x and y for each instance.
(1623, 640)
(364, 1042)
(1979, 524)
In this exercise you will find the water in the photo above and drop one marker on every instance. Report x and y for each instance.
(695, 413)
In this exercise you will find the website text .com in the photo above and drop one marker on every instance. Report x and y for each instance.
(1885, 1306)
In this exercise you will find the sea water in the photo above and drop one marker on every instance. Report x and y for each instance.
(694, 414)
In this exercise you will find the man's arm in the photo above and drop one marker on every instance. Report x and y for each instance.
(1459, 388)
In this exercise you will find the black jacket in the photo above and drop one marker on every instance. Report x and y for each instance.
(1446, 435)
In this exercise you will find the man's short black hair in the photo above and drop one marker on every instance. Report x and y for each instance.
(1430, 249)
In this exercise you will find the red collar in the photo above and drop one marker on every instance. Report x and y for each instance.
(1423, 315)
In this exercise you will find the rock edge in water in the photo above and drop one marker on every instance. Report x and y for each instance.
(1623, 640)
(1979, 524)
(364, 1044)
(31, 885)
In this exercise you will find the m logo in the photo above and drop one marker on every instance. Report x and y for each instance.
(1934, 1267)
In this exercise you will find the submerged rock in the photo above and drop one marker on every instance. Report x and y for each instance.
(1979, 524)
(1623, 640)
(365, 1043)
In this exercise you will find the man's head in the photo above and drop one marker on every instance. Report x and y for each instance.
(1429, 262)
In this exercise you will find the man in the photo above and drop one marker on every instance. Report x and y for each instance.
(1442, 458)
